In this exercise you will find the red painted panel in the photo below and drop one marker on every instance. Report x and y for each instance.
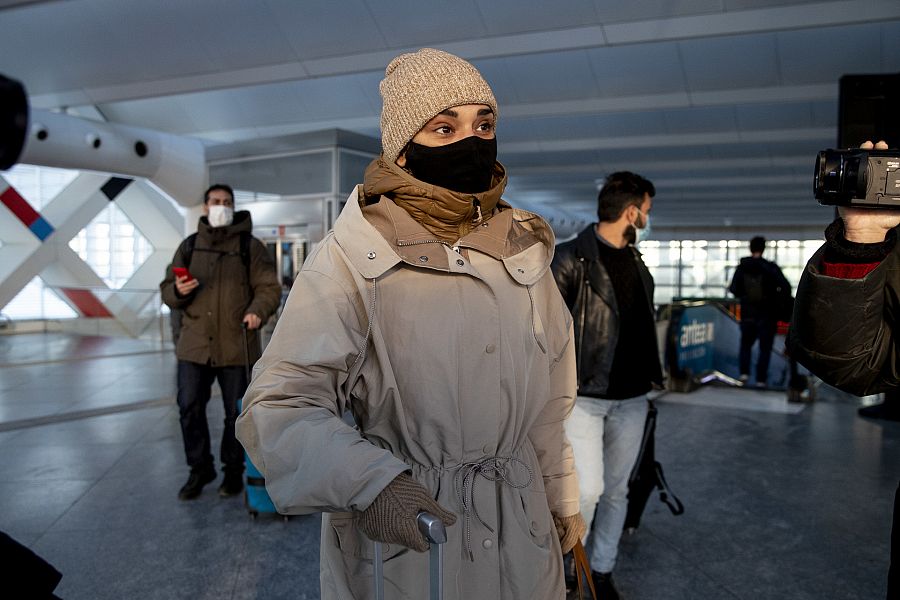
(87, 303)
(19, 206)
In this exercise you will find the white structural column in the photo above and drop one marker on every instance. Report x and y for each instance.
(37, 244)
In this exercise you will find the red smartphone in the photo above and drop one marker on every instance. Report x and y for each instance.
(182, 272)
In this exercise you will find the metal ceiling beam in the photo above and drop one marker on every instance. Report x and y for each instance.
(804, 16)
(815, 134)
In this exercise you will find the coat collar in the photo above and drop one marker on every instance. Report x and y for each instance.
(386, 235)
(242, 221)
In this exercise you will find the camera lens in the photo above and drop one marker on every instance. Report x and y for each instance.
(829, 175)
(840, 176)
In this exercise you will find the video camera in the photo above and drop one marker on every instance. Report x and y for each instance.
(858, 178)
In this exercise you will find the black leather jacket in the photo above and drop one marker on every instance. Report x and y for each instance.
(586, 287)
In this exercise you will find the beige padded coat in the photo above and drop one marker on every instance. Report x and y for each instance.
(458, 367)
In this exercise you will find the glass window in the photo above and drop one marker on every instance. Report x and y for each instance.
(704, 268)
(111, 244)
(38, 186)
(37, 301)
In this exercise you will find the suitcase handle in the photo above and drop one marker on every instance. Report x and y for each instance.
(432, 528)
(246, 351)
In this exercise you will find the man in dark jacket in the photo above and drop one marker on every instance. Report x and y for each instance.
(845, 315)
(761, 287)
(231, 284)
(609, 291)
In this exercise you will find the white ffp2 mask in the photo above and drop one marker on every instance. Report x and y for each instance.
(220, 215)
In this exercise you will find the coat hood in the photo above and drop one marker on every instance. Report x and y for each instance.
(242, 222)
(448, 214)
(385, 178)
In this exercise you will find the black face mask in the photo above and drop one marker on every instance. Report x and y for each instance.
(464, 166)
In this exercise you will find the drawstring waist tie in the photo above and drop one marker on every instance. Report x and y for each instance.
(492, 468)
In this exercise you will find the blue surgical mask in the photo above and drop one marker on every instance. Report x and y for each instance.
(643, 233)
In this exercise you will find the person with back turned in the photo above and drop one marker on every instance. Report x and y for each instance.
(609, 291)
(761, 287)
(230, 284)
(844, 327)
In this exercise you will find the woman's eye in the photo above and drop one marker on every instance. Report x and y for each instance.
(486, 127)
(444, 130)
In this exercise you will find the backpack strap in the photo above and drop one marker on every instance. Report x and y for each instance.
(246, 239)
(187, 251)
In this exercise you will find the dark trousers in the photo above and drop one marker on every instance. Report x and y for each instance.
(754, 328)
(893, 590)
(194, 390)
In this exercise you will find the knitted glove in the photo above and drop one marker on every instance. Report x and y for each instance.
(570, 530)
(391, 518)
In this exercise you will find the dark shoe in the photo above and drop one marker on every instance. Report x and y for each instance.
(882, 410)
(603, 585)
(195, 483)
(232, 484)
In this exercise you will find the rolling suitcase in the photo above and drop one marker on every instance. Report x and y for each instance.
(433, 529)
(255, 495)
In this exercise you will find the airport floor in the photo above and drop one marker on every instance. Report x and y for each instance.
(781, 500)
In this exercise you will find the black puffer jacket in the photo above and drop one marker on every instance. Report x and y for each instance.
(842, 329)
(586, 287)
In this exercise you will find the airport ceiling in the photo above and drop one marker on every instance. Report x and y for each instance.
(722, 103)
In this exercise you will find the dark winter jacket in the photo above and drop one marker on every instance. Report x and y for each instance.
(842, 329)
(773, 287)
(587, 289)
(213, 313)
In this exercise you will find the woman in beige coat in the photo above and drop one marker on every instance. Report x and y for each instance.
(429, 315)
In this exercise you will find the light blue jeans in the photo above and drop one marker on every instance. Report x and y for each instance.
(606, 438)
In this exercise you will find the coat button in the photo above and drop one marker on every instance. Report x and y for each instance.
(460, 262)
(487, 544)
(490, 348)
(371, 255)
(423, 258)
(487, 450)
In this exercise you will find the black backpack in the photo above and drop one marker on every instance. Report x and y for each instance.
(246, 236)
(754, 288)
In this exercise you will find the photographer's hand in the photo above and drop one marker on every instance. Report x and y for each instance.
(866, 225)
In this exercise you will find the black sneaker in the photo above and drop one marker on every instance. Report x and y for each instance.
(195, 483)
(603, 585)
(232, 484)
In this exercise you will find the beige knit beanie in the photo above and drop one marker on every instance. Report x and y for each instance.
(419, 85)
